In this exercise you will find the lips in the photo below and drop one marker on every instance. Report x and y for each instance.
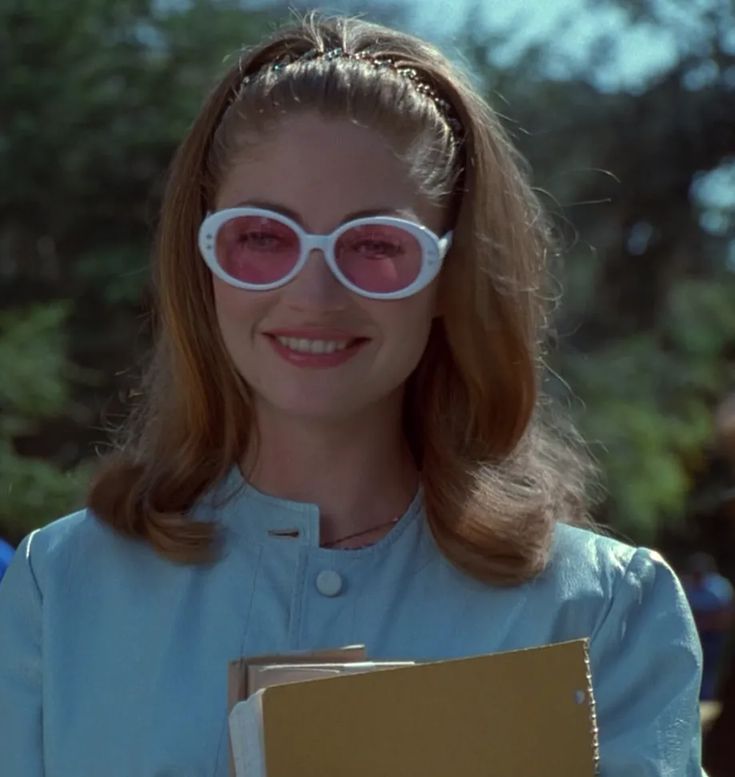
(315, 348)
(314, 333)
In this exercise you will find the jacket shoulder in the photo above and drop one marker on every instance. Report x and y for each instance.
(77, 542)
(588, 547)
(586, 562)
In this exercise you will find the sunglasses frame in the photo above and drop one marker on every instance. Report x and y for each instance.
(433, 248)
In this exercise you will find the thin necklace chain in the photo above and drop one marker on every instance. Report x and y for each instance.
(360, 533)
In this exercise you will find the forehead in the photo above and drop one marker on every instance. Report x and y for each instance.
(323, 169)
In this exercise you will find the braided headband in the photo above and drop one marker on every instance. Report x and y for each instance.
(378, 62)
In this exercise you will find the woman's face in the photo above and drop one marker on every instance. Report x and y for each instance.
(321, 173)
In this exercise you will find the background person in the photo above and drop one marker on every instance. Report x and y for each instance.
(710, 596)
(6, 554)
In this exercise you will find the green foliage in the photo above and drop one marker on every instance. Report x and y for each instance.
(96, 95)
(33, 343)
(637, 182)
(648, 402)
(700, 322)
(35, 388)
(35, 491)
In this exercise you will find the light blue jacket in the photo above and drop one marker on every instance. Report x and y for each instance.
(113, 661)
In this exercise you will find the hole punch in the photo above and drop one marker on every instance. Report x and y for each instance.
(288, 533)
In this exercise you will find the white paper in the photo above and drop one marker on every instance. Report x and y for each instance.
(266, 675)
(246, 736)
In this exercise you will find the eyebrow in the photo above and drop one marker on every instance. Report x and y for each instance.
(359, 214)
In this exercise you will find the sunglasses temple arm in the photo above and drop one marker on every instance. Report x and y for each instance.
(445, 243)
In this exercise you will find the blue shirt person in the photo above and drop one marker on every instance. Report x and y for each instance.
(6, 554)
(343, 436)
(712, 601)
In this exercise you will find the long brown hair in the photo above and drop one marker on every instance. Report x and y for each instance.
(496, 478)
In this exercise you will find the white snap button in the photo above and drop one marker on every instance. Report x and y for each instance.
(329, 582)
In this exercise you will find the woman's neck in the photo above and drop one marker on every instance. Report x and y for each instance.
(360, 473)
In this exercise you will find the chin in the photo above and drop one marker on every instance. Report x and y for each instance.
(336, 402)
(319, 407)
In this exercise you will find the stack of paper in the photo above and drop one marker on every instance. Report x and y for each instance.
(527, 713)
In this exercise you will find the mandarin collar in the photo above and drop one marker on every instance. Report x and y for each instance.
(245, 513)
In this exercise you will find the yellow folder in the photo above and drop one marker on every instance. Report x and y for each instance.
(527, 713)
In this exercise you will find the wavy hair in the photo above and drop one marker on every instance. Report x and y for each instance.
(496, 475)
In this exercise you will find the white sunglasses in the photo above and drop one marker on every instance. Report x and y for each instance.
(380, 257)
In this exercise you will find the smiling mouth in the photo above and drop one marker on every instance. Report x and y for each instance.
(316, 346)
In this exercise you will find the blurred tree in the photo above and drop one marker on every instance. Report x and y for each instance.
(636, 176)
(35, 386)
(95, 96)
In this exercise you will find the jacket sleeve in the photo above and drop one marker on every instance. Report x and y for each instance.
(21, 740)
(646, 672)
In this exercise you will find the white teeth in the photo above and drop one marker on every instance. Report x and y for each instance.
(312, 346)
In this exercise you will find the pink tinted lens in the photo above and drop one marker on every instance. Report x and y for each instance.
(379, 257)
(256, 249)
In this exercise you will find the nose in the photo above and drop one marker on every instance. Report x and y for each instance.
(316, 287)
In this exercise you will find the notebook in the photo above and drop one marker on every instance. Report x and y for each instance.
(527, 713)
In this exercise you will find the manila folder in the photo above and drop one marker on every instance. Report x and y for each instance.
(526, 713)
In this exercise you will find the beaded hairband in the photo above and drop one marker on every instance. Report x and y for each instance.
(418, 83)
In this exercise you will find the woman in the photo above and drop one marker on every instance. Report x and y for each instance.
(341, 437)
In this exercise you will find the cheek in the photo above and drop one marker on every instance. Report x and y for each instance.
(407, 326)
(226, 297)
(237, 312)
